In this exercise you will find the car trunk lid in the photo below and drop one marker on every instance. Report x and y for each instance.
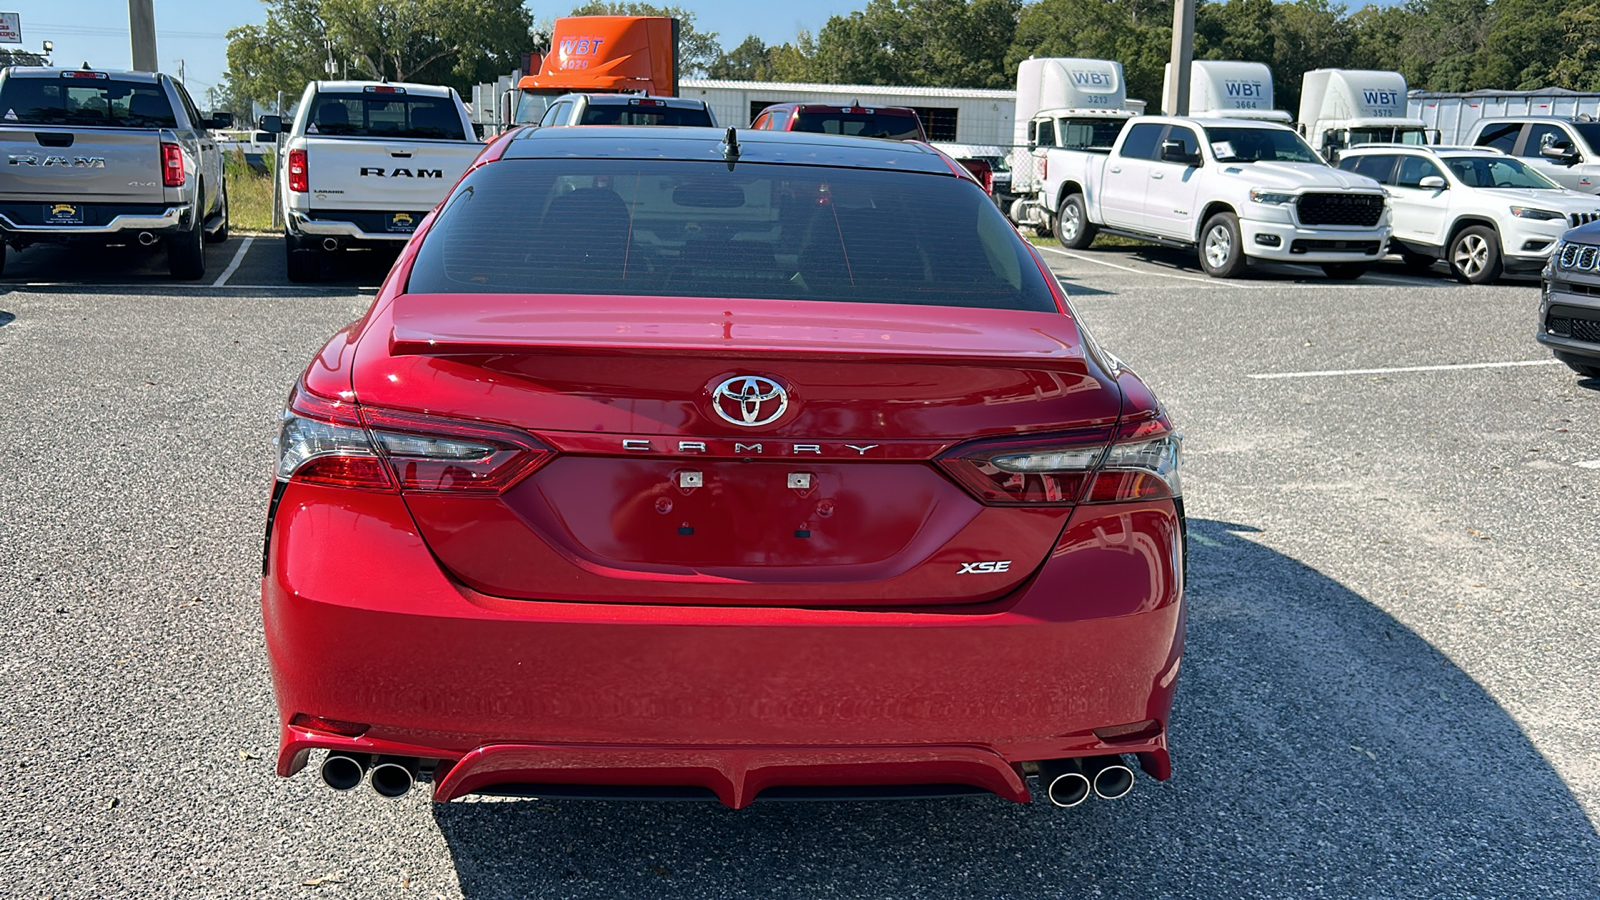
(682, 475)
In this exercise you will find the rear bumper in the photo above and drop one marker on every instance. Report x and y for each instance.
(363, 626)
(354, 227)
(173, 218)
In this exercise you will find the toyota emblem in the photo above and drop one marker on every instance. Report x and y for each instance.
(749, 400)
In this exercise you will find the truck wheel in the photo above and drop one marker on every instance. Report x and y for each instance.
(1475, 255)
(1586, 371)
(186, 252)
(302, 265)
(1221, 250)
(1073, 228)
(221, 234)
(1344, 271)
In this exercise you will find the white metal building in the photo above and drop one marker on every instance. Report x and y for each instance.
(950, 115)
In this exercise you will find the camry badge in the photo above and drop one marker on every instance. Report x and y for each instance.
(749, 400)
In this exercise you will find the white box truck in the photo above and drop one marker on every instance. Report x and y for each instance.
(1348, 107)
(1230, 89)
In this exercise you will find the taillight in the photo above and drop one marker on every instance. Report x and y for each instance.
(171, 165)
(299, 178)
(322, 441)
(1044, 167)
(1066, 469)
(426, 453)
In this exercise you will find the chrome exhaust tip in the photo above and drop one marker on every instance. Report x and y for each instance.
(147, 239)
(342, 771)
(1065, 784)
(1110, 777)
(330, 244)
(394, 775)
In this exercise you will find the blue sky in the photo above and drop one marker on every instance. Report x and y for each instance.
(192, 30)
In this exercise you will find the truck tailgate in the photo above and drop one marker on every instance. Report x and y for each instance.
(53, 164)
(375, 174)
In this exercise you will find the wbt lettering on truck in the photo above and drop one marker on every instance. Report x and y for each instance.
(1382, 99)
(579, 52)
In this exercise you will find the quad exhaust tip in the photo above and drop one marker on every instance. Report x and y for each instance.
(1069, 782)
(343, 771)
(394, 775)
(1064, 782)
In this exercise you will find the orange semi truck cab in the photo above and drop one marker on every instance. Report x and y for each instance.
(601, 54)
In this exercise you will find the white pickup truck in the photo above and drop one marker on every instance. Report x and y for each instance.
(1235, 189)
(364, 162)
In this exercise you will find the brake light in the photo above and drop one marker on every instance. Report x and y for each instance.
(299, 175)
(171, 165)
(427, 453)
(646, 102)
(1066, 469)
(1044, 167)
(323, 441)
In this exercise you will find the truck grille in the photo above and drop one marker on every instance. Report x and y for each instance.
(1363, 210)
(1584, 218)
(1579, 256)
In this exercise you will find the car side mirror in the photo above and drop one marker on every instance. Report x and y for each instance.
(1434, 183)
(219, 120)
(1173, 152)
(1560, 152)
(270, 124)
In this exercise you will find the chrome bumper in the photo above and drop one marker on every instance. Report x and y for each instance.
(304, 224)
(171, 218)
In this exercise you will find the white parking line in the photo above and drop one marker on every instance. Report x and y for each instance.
(234, 266)
(1111, 265)
(1589, 464)
(1450, 368)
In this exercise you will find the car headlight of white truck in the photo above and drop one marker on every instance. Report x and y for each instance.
(1542, 215)
(1262, 195)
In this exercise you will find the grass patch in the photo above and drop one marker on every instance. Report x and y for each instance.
(249, 196)
(1100, 240)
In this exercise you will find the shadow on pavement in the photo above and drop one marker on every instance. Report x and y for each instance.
(6, 319)
(1320, 747)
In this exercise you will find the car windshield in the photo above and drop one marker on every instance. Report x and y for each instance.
(1496, 172)
(1244, 144)
(694, 229)
(95, 102)
(1091, 134)
(898, 127)
(1590, 132)
(385, 115)
(531, 106)
(631, 114)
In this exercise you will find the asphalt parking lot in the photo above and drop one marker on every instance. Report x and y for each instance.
(1393, 645)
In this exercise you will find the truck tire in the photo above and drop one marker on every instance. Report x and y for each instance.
(221, 234)
(1344, 271)
(1073, 228)
(1475, 255)
(2, 257)
(301, 265)
(186, 252)
(1586, 371)
(1221, 249)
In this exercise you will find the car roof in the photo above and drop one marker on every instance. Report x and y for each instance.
(421, 90)
(1509, 120)
(56, 72)
(854, 104)
(1433, 149)
(609, 99)
(1209, 122)
(706, 144)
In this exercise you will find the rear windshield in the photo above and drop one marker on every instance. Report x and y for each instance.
(694, 229)
(901, 127)
(385, 115)
(96, 102)
(617, 114)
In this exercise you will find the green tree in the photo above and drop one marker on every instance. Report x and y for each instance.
(697, 50)
(452, 42)
(750, 61)
(1578, 68)
(954, 43)
(19, 58)
(1136, 33)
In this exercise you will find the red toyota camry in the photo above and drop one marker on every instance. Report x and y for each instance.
(676, 463)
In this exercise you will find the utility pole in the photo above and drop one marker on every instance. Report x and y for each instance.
(1176, 101)
(142, 29)
(181, 73)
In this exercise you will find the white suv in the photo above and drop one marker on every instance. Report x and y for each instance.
(1483, 211)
